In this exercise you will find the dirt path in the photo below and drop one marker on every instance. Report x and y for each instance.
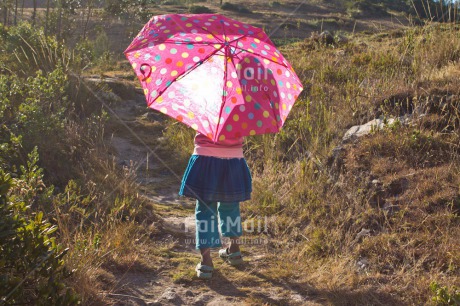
(167, 276)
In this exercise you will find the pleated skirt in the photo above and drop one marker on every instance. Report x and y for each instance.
(213, 179)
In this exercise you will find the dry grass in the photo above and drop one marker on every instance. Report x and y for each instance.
(401, 185)
(375, 223)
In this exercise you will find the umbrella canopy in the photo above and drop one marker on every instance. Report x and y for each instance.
(221, 77)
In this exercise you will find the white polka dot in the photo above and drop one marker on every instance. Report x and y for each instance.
(163, 70)
(175, 106)
(196, 59)
(205, 124)
(287, 73)
(187, 102)
(283, 95)
(171, 94)
(234, 75)
(242, 108)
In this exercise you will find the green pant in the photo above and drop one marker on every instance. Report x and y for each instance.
(212, 216)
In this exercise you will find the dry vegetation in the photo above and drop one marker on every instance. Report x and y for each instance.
(371, 221)
(380, 217)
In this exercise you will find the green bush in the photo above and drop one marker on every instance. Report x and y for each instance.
(363, 8)
(227, 6)
(31, 262)
(199, 9)
(30, 50)
(444, 296)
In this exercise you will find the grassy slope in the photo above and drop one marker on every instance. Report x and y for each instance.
(400, 184)
(398, 187)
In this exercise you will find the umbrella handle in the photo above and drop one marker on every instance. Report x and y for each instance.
(143, 71)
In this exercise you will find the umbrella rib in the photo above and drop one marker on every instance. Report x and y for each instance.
(273, 111)
(223, 97)
(180, 76)
(206, 30)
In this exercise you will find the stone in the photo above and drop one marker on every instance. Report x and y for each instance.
(326, 38)
(367, 128)
(340, 39)
(364, 232)
(362, 263)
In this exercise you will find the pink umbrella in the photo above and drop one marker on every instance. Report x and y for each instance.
(221, 77)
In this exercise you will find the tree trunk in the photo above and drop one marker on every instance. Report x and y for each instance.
(90, 5)
(59, 21)
(16, 12)
(34, 14)
(22, 9)
(5, 12)
(47, 17)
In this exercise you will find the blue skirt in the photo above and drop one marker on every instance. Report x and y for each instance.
(212, 179)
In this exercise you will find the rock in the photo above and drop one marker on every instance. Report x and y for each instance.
(362, 263)
(326, 38)
(340, 39)
(367, 128)
(189, 293)
(152, 116)
(203, 299)
(171, 296)
(297, 297)
(109, 96)
(364, 232)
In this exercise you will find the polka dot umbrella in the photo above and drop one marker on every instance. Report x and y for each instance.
(221, 77)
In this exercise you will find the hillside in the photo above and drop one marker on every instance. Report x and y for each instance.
(356, 201)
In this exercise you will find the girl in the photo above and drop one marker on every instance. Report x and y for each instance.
(218, 177)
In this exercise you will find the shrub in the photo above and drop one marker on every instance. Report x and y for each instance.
(199, 9)
(442, 295)
(227, 6)
(363, 8)
(29, 254)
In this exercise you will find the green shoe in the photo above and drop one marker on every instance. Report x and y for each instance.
(232, 258)
(203, 271)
